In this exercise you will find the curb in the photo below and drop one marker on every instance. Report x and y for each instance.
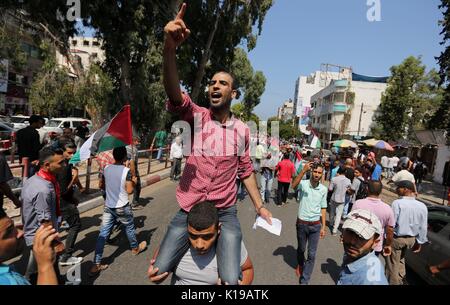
(99, 201)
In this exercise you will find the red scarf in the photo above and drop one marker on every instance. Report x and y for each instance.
(51, 178)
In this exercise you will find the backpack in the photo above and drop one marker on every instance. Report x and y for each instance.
(362, 190)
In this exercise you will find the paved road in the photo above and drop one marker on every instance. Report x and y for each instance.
(274, 257)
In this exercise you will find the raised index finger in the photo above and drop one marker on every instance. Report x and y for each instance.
(180, 14)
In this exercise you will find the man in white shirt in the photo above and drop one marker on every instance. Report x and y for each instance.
(404, 175)
(176, 156)
(395, 161)
(118, 182)
(199, 264)
(384, 165)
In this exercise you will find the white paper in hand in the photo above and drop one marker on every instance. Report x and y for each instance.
(275, 228)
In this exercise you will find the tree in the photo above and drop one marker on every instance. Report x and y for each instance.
(54, 90)
(441, 118)
(239, 111)
(252, 84)
(132, 36)
(406, 103)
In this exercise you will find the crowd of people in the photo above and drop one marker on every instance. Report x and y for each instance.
(203, 243)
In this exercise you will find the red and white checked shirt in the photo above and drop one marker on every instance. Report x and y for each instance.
(211, 169)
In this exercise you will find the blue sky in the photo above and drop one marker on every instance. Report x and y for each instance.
(299, 35)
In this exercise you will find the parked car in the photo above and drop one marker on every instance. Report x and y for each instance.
(6, 133)
(57, 124)
(20, 121)
(436, 250)
(6, 120)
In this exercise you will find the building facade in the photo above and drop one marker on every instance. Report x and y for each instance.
(87, 50)
(305, 88)
(286, 112)
(345, 109)
(15, 82)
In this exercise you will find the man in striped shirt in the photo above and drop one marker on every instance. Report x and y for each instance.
(220, 152)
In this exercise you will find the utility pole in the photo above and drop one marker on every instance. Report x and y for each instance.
(360, 117)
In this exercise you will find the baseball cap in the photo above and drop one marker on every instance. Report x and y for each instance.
(363, 222)
(406, 184)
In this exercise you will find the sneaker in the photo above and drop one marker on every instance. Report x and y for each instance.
(142, 246)
(96, 269)
(73, 260)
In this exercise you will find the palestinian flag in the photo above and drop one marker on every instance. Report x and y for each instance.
(116, 133)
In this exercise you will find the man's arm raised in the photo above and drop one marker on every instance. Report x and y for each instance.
(175, 34)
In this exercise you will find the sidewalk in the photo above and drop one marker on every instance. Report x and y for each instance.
(429, 192)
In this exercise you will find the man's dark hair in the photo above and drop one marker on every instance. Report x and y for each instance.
(286, 156)
(35, 119)
(374, 187)
(120, 153)
(203, 215)
(46, 153)
(359, 169)
(341, 170)
(69, 145)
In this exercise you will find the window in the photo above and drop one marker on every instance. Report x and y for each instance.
(437, 220)
(94, 55)
(329, 117)
(86, 43)
(76, 123)
(74, 42)
(95, 43)
(53, 123)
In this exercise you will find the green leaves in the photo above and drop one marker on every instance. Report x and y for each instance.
(411, 97)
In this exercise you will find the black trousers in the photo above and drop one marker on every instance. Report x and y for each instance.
(72, 216)
(283, 191)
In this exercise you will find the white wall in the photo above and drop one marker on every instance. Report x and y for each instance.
(443, 156)
(368, 94)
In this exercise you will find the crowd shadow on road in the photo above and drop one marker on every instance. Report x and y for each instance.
(143, 202)
(331, 268)
(289, 254)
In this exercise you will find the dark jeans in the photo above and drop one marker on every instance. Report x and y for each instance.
(176, 243)
(283, 191)
(71, 214)
(307, 235)
(137, 190)
(176, 168)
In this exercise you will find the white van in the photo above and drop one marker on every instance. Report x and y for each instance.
(57, 124)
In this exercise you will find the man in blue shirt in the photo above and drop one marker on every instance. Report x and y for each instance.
(375, 169)
(12, 244)
(360, 235)
(311, 218)
(410, 231)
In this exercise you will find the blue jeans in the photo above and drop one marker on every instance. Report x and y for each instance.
(110, 217)
(160, 151)
(266, 186)
(347, 208)
(176, 243)
(307, 235)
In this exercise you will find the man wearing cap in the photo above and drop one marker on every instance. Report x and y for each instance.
(410, 231)
(360, 235)
(404, 175)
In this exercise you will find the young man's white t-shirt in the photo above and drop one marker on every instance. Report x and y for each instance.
(116, 177)
(195, 269)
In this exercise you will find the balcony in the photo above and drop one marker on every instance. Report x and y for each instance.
(340, 108)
